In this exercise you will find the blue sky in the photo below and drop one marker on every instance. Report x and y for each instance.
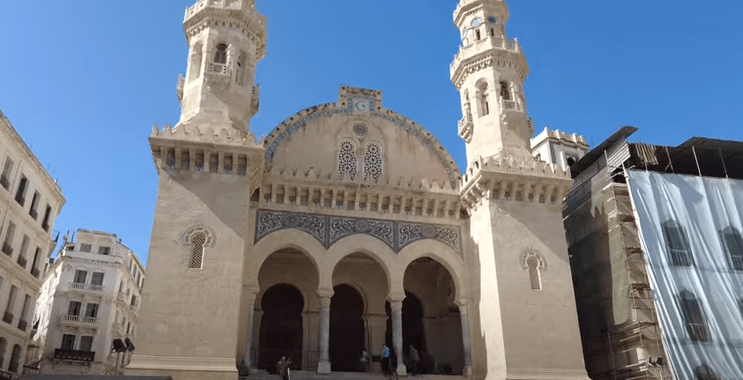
(83, 81)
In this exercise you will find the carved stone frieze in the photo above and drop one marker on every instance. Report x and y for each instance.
(329, 229)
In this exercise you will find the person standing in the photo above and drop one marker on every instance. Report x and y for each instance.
(413, 358)
(385, 359)
(363, 361)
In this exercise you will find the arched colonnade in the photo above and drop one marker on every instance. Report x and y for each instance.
(363, 265)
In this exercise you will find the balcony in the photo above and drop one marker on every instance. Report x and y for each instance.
(7, 249)
(82, 356)
(22, 325)
(87, 287)
(217, 68)
(34, 214)
(465, 128)
(697, 332)
(22, 262)
(8, 317)
(77, 319)
(5, 182)
(737, 262)
(35, 272)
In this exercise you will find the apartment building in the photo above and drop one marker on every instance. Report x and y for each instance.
(88, 307)
(30, 200)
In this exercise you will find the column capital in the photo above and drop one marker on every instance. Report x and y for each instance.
(325, 302)
(325, 293)
(396, 297)
(396, 306)
(462, 305)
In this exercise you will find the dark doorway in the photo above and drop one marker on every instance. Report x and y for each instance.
(346, 329)
(412, 325)
(281, 327)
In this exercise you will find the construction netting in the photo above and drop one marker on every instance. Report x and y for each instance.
(690, 230)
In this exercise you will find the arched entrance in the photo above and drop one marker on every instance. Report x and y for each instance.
(431, 320)
(346, 329)
(281, 326)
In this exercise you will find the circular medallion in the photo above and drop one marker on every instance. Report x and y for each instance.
(428, 232)
(361, 225)
(362, 106)
(291, 220)
(360, 129)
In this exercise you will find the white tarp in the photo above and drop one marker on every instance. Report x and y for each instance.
(690, 229)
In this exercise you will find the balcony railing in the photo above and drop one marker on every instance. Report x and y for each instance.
(82, 286)
(22, 261)
(737, 262)
(7, 249)
(20, 200)
(698, 332)
(5, 182)
(34, 214)
(35, 272)
(8, 317)
(22, 325)
(83, 356)
(217, 68)
(78, 318)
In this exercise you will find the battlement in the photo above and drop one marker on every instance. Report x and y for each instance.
(247, 7)
(560, 136)
(209, 135)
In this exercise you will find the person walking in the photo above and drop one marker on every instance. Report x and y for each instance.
(363, 361)
(385, 359)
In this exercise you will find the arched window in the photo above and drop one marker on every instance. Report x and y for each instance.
(505, 92)
(733, 243)
(15, 359)
(372, 162)
(534, 263)
(679, 251)
(3, 346)
(482, 99)
(693, 317)
(347, 160)
(197, 251)
(220, 56)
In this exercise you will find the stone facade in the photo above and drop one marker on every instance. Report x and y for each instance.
(350, 225)
(90, 297)
(30, 202)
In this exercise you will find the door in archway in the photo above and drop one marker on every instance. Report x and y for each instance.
(281, 327)
(346, 329)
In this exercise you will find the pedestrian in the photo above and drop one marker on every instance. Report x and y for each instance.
(385, 359)
(363, 361)
(283, 370)
(413, 358)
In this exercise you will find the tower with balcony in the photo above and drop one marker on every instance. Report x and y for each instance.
(90, 298)
(526, 324)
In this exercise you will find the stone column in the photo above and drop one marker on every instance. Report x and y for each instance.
(323, 365)
(467, 371)
(396, 308)
(247, 362)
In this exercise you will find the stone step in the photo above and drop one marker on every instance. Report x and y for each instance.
(311, 375)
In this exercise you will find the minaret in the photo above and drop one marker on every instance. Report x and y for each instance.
(193, 303)
(226, 39)
(489, 71)
(523, 320)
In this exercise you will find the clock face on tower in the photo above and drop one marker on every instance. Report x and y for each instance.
(476, 22)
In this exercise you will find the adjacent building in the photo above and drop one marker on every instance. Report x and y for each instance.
(350, 225)
(654, 236)
(558, 148)
(30, 201)
(90, 298)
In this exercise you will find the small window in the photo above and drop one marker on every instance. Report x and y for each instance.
(373, 162)
(679, 252)
(85, 247)
(134, 301)
(45, 221)
(91, 310)
(15, 359)
(97, 279)
(74, 308)
(5, 177)
(8, 242)
(80, 276)
(68, 342)
(20, 195)
(220, 56)
(733, 243)
(34, 205)
(347, 160)
(505, 92)
(104, 250)
(535, 278)
(197, 251)
(477, 34)
(86, 343)
(693, 317)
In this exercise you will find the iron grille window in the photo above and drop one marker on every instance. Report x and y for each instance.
(97, 278)
(733, 243)
(80, 276)
(693, 317)
(68, 342)
(679, 251)
(74, 308)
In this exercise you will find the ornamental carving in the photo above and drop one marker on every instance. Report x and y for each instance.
(329, 229)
